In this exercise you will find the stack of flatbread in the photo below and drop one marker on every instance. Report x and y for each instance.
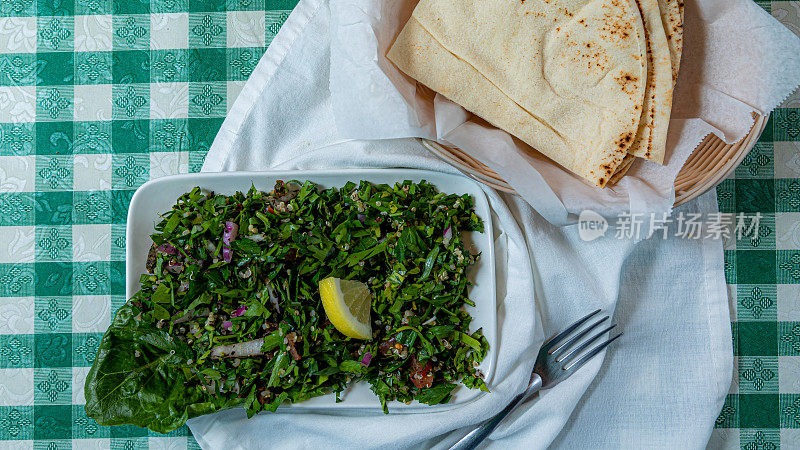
(588, 83)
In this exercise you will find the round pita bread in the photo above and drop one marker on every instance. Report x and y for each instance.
(651, 137)
(672, 19)
(566, 77)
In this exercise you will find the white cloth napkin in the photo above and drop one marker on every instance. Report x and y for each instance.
(662, 384)
(737, 60)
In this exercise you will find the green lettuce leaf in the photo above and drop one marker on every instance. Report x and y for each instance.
(137, 378)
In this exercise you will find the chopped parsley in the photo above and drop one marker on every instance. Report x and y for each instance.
(229, 313)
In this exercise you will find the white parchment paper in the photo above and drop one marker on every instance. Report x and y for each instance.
(737, 60)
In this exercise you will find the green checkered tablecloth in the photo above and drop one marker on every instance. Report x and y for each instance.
(99, 96)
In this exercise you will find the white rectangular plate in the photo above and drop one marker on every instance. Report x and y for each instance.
(157, 197)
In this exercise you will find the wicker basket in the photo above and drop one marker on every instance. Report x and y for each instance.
(710, 163)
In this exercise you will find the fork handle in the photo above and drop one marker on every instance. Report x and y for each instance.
(476, 436)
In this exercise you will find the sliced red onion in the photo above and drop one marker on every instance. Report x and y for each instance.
(362, 218)
(239, 311)
(227, 325)
(448, 234)
(174, 266)
(168, 249)
(239, 349)
(184, 318)
(184, 286)
(228, 236)
(230, 233)
(366, 359)
(273, 299)
(429, 320)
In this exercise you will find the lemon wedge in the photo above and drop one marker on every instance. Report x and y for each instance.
(348, 305)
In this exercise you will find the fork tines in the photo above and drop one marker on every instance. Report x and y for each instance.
(565, 347)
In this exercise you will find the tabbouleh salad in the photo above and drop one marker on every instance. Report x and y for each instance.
(229, 313)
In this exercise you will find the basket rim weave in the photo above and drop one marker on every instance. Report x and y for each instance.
(709, 163)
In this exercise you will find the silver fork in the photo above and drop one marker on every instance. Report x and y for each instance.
(557, 360)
